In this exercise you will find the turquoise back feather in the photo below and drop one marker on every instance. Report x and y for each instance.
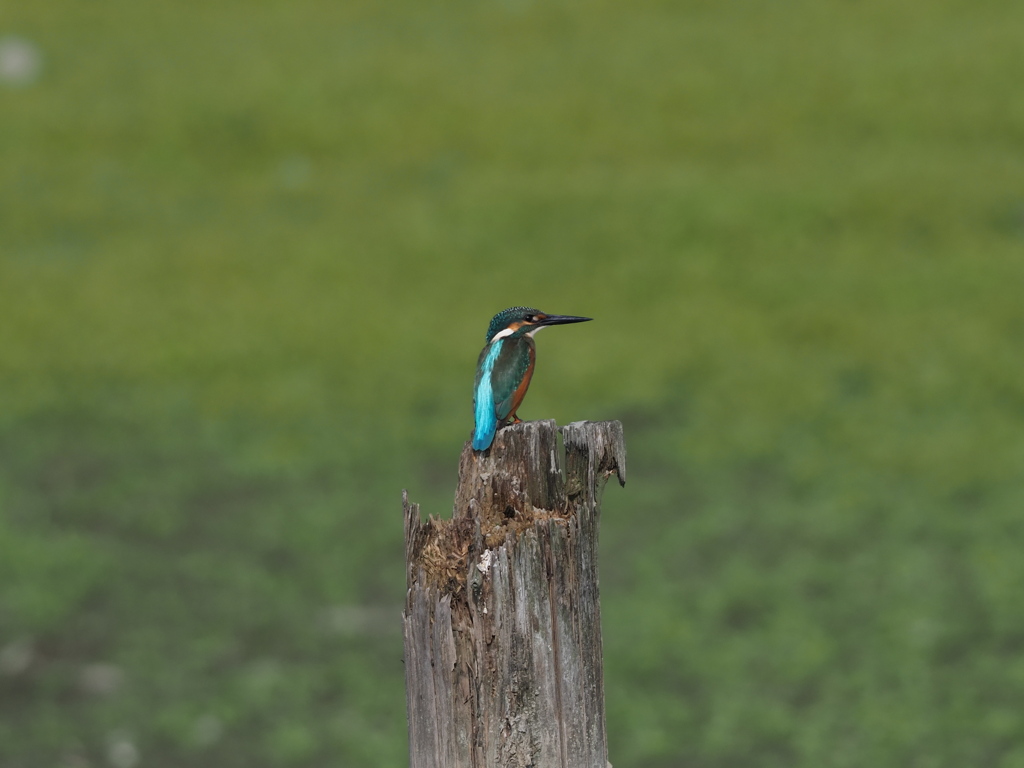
(483, 399)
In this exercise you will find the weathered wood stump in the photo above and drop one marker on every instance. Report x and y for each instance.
(502, 618)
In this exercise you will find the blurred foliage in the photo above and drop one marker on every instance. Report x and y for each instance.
(248, 252)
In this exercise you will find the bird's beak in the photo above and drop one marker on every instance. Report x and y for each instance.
(561, 320)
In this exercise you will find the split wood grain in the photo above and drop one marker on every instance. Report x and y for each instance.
(502, 620)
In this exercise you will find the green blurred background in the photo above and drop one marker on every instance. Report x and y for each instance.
(248, 252)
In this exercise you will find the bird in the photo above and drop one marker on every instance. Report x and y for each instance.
(505, 367)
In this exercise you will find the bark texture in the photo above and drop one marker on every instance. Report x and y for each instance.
(502, 617)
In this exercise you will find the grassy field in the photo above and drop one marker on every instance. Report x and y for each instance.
(248, 253)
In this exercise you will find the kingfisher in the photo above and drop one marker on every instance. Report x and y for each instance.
(505, 368)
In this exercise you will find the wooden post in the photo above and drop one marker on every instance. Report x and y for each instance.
(502, 619)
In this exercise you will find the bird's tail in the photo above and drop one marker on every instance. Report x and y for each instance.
(483, 433)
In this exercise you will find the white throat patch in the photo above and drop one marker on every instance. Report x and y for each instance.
(502, 334)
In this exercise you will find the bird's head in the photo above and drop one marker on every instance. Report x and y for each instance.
(525, 321)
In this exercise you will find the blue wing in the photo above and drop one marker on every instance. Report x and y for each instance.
(511, 375)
